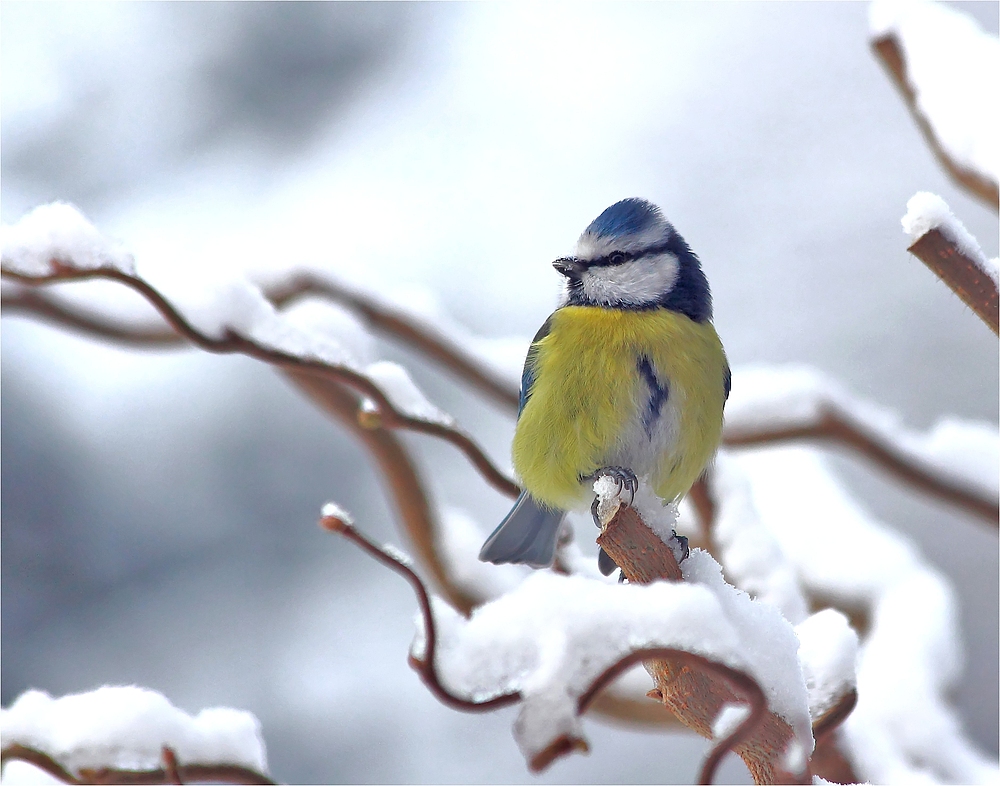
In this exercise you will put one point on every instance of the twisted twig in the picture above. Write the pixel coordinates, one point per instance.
(232, 342)
(890, 54)
(741, 683)
(172, 772)
(832, 425)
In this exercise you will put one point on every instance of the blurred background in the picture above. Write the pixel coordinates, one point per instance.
(159, 508)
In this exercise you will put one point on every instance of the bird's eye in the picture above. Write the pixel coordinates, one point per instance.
(616, 258)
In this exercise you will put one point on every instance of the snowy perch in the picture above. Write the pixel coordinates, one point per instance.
(956, 460)
(55, 243)
(941, 241)
(948, 70)
(125, 729)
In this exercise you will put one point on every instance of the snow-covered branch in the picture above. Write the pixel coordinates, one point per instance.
(119, 734)
(956, 461)
(554, 643)
(941, 241)
(55, 243)
(946, 68)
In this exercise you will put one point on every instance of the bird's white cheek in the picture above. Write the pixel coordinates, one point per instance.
(638, 282)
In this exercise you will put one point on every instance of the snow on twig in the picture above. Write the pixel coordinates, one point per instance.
(555, 641)
(120, 731)
(904, 727)
(948, 70)
(956, 460)
(235, 317)
(941, 241)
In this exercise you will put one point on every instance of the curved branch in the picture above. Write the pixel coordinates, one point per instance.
(61, 312)
(232, 342)
(199, 773)
(833, 425)
(397, 468)
(742, 684)
(962, 275)
(830, 720)
(891, 55)
(426, 666)
(37, 758)
(739, 681)
(402, 326)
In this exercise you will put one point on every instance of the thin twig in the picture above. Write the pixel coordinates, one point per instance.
(890, 54)
(200, 773)
(232, 342)
(744, 685)
(37, 758)
(832, 426)
(400, 325)
(397, 469)
(830, 720)
(426, 666)
(170, 766)
(836, 426)
(965, 278)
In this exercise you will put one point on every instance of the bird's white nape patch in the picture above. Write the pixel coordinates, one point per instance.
(638, 282)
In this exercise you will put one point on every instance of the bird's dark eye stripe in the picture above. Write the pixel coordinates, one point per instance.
(621, 257)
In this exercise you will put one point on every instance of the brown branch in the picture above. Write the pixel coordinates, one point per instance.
(965, 278)
(838, 427)
(200, 773)
(740, 682)
(397, 468)
(402, 326)
(232, 342)
(37, 758)
(426, 667)
(694, 695)
(828, 760)
(832, 426)
(742, 685)
(890, 54)
(171, 775)
(60, 312)
(830, 720)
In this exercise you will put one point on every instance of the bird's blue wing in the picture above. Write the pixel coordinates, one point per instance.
(727, 381)
(528, 374)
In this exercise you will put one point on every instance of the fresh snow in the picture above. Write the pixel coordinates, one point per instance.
(828, 650)
(784, 397)
(217, 307)
(126, 727)
(552, 635)
(904, 728)
(953, 67)
(926, 211)
(334, 511)
(58, 232)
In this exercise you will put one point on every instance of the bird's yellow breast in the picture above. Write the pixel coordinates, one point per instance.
(588, 392)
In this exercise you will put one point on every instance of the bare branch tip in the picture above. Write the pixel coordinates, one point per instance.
(559, 747)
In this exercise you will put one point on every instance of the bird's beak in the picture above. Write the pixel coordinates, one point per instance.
(568, 266)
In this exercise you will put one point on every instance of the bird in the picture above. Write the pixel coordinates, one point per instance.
(627, 377)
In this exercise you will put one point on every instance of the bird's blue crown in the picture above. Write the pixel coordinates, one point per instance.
(631, 216)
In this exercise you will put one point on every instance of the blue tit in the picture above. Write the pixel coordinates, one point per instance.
(627, 374)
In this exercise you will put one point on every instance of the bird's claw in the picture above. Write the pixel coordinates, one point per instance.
(623, 477)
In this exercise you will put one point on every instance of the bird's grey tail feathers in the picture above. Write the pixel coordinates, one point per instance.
(527, 535)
